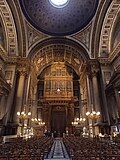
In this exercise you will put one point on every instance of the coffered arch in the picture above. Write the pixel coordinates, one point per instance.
(10, 29)
(19, 21)
(97, 25)
(107, 29)
(58, 50)
(115, 38)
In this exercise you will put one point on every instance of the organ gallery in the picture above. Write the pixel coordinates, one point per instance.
(59, 68)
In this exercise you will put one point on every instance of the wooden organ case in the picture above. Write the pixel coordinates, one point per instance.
(58, 101)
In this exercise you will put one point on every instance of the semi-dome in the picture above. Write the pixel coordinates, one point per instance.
(59, 17)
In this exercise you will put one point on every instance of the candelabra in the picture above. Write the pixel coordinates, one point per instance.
(79, 124)
(78, 121)
(38, 122)
(23, 116)
(74, 123)
(93, 116)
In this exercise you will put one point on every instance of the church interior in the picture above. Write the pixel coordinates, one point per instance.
(60, 79)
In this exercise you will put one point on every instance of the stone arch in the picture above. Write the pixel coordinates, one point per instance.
(115, 35)
(107, 29)
(20, 26)
(58, 50)
(2, 34)
(10, 29)
(97, 24)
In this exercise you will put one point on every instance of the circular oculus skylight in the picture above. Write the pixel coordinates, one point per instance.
(59, 3)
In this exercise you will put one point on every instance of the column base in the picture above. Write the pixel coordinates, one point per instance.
(11, 129)
(101, 127)
(2, 130)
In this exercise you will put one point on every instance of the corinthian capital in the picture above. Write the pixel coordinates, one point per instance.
(22, 72)
(93, 67)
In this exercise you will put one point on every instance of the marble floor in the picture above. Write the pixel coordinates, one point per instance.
(58, 151)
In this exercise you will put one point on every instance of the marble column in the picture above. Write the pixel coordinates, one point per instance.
(96, 93)
(117, 97)
(2, 106)
(49, 117)
(114, 108)
(26, 89)
(19, 98)
(105, 112)
(10, 101)
(90, 93)
(66, 109)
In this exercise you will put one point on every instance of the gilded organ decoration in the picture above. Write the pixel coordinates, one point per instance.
(58, 82)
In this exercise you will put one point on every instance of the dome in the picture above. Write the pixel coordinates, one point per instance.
(59, 17)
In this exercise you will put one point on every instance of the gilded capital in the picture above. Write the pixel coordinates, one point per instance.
(23, 72)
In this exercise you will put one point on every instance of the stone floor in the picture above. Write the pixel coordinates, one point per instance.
(58, 151)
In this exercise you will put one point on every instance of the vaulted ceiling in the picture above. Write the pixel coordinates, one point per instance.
(66, 20)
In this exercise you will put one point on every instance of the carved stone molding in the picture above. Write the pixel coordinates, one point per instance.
(104, 61)
(115, 53)
(11, 60)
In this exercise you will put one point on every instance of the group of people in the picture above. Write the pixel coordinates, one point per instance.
(54, 134)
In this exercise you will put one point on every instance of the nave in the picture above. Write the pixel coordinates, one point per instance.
(66, 148)
(58, 151)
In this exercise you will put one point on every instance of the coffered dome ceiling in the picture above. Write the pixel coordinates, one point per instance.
(59, 19)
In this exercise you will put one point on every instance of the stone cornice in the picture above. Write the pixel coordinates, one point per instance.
(18, 61)
(104, 61)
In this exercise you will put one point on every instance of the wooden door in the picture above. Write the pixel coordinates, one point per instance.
(58, 123)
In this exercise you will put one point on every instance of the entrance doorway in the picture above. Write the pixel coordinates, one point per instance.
(58, 123)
